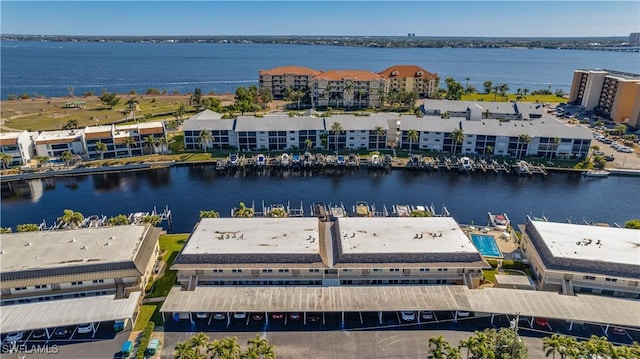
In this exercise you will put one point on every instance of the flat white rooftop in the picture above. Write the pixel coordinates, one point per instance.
(403, 235)
(66, 248)
(594, 243)
(254, 236)
(67, 312)
(59, 135)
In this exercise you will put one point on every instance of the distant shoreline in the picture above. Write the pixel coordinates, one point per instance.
(354, 41)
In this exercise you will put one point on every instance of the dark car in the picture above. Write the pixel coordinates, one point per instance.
(257, 316)
(314, 318)
(277, 316)
(609, 158)
(39, 334)
(294, 317)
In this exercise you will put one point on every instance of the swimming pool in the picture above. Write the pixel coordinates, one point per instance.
(486, 245)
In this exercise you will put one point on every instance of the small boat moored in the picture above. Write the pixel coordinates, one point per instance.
(500, 221)
(599, 173)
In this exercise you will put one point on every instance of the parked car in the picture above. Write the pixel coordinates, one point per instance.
(201, 315)
(462, 313)
(39, 334)
(426, 315)
(618, 331)
(408, 316)
(313, 318)
(13, 337)
(277, 316)
(294, 317)
(61, 332)
(239, 315)
(85, 328)
(257, 316)
(219, 316)
(609, 158)
(543, 322)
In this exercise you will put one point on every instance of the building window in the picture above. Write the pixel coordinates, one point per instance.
(95, 281)
(611, 279)
(236, 270)
(283, 270)
(347, 270)
(43, 286)
(76, 283)
(394, 270)
(589, 277)
(424, 269)
(443, 269)
(21, 288)
(267, 270)
(314, 270)
(377, 270)
(217, 271)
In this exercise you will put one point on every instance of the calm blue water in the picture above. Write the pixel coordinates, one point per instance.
(188, 190)
(486, 245)
(49, 68)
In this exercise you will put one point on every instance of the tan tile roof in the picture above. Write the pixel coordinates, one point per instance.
(97, 135)
(406, 71)
(357, 75)
(295, 70)
(8, 141)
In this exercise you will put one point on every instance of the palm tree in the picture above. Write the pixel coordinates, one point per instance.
(150, 142)
(489, 149)
(551, 345)
(469, 343)
(41, 160)
(495, 89)
(260, 348)
(348, 88)
(225, 348)
(132, 102)
(360, 92)
(308, 143)
(6, 160)
(199, 341)
(129, 142)
(380, 132)
(71, 218)
(467, 85)
(204, 137)
(620, 129)
(437, 347)
(445, 115)
(151, 219)
(182, 109)
(594, 149)
(555, 141)
(458, 136)
(209, 214)
(412, 136)
(503, 91)
(524, 139)
(163, 143)
(183, 351)
(243, 211)
(101, 147)
(66, 156)
(524, 93)
(337, 129)
(327, 93)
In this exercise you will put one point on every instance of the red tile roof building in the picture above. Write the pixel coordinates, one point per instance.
(409, 78)
(347, 89)
(279, 79)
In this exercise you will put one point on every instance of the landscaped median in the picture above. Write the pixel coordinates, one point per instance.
(170, 246)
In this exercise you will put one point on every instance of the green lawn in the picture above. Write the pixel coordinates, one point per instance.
(147, 311)
(529, 98)
(170, 244)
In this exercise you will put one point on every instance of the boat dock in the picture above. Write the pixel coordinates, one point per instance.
(96, 221)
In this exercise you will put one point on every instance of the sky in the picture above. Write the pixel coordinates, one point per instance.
(345, 18)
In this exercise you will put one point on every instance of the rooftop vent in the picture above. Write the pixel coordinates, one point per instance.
(2, 251)
(27, 244)
(112, 237)
(72, 240)
(84, 247)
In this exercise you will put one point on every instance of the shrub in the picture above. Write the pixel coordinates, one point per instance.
(493, 263)
(146, 336)
(511, 264)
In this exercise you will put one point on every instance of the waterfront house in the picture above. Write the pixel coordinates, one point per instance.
(18, 145)
(612, 93)
(53, 143)
(124, 140)
(65, 277)
(358, 132)
(220, 130)
(577, 258)
(410, 78)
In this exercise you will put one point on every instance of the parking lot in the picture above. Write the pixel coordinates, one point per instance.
(361, 331)
(68, 342)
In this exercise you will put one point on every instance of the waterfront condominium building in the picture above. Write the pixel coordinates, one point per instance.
(410, 78)
(279, 79)
(207, 129)
(54, 143)
(580, 258)
(65, 277)
(612, 93)
(18, 145)
(125, 140)
(350, 89)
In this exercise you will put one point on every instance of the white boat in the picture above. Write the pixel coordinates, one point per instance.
(284, 160)
(361, 209)
(261, 160)
(465, 164)
(375, 160)
(600, 173)
(341, 160)
(233, 160)
(500, 221)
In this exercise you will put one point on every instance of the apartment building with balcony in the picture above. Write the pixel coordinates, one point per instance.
(124, 140)
(54, 143)
(478, 110)
(221, 131)
(575, 258)
(612, 93)
(350, 89)
(278, 80)
(410, 78)
(496, 137)
(278, 132)
(359, 132)
(87, 270)
(18, 145)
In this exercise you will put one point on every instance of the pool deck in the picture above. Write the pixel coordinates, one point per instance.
(506, 245)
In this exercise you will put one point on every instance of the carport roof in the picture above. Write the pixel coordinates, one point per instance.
(584, 308)
(67, 312)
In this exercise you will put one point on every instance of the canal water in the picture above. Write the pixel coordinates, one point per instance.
(187, 190)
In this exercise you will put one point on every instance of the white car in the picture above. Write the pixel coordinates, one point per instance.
(408, 316)
(85, 328)
(201, 315)
(462, 314)
(239, 315)
(426, 314)
(13, 337)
